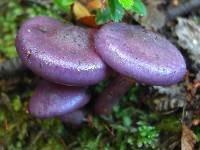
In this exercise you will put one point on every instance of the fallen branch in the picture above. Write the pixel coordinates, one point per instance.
(183, 9)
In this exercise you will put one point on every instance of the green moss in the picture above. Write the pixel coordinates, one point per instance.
(11, 16)
(170, 124)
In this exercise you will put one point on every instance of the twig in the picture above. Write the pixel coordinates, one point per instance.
(37, 137)
(11, 67)
(183, 9)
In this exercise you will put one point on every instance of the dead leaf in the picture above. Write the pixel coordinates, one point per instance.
(155, 18)
(83, 15)
(90, 21)
(188, 33)
(80, 10)
(95, 4)
(172, 90)
(196, 122)
(188, 138)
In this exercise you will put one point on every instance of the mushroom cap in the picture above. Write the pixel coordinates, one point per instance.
(140, 54)
(51, 100)
(61, 53)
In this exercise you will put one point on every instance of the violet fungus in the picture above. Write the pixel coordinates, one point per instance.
(139, 54)
(61, 53)
(142, 55)
(74, 118)
(51, 100)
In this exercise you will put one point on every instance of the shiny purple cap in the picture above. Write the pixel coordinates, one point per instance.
(61, 53)
(140, 54)
(51, 100)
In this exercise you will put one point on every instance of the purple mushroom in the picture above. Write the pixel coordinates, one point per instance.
(65, 54)
(74, 118)
(61, 53)
(111, 95)
(51, 100)
(142, 55)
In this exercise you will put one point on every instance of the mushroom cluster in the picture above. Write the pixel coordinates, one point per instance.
(71, 58)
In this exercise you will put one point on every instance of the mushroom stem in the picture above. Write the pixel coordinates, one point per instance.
(76, 118)
(112, 94)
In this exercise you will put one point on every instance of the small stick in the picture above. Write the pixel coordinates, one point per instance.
(183, 9)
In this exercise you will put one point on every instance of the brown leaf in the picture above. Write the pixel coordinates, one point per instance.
(89, 21)
(83, 15)
(196, 122)
(80, 10)
(95, 4)
(188, 138)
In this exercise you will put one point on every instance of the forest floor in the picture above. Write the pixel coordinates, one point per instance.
(148, 117)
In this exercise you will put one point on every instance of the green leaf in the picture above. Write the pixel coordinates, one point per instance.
(127, 121)
(116, 10)
(64, 4)
(139, 8)
(126, 4)
(103, 16)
